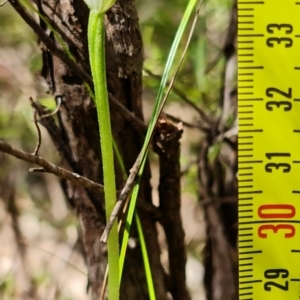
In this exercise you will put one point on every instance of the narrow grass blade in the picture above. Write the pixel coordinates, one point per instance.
(148, 272)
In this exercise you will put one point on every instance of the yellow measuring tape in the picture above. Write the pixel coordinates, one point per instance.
(269, 149)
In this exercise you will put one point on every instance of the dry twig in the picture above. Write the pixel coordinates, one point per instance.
(51, 168)
(167, 146)
(35, 120)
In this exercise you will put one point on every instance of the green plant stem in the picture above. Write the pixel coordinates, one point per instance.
(96, 40)
(147, 266)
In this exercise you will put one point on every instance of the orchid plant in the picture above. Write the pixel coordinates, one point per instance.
(96, 44)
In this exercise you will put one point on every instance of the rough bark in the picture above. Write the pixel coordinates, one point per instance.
(168, 148)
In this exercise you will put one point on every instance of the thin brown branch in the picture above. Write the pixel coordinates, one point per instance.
(51, 168)
(60, 28)
(49, 43)
(35, 119)
(39, 142)
(56, 135)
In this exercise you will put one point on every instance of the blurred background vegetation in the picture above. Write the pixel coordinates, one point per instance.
(39, 247)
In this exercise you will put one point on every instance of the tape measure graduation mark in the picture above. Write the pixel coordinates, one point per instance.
(269, 149)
